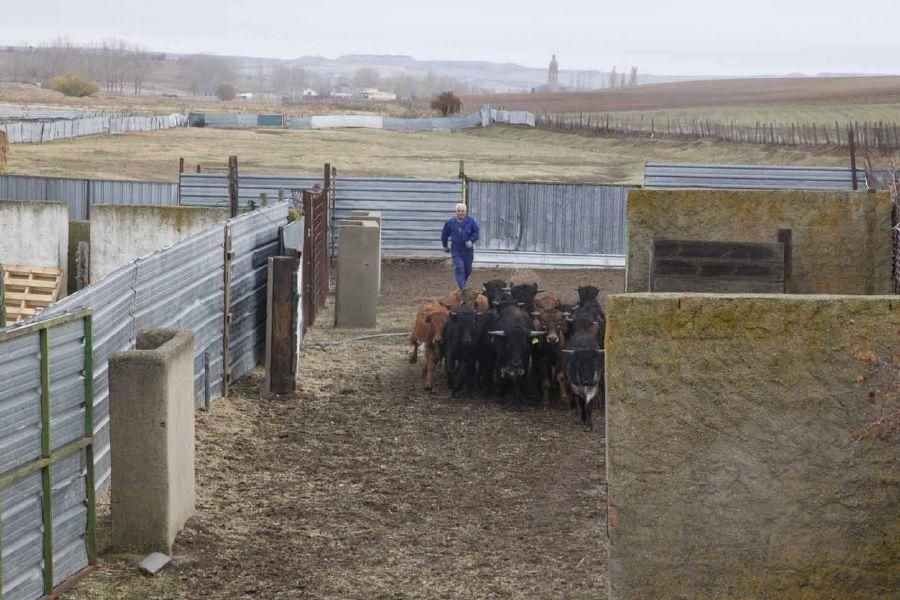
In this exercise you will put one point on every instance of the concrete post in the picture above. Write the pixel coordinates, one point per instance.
(375, 216)
(356, 297)
(151, 408)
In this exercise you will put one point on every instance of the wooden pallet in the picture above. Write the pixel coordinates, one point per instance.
(28, 290)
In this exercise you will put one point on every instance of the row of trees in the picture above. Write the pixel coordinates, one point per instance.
(117, 64)
(617, 80)
(122, 68)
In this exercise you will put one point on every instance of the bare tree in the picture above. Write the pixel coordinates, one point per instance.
(633, 77)
(203, 73)
(613, 78)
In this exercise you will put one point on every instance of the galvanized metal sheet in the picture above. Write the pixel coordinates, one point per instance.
(749, 177)
(68, 483)
(183, 286)
(20, 401)
(413, 211)
(551, 218)
(254, 238)
(35, 132)
(66, 345)
(21, 520)
(205, 189)
(78, 192)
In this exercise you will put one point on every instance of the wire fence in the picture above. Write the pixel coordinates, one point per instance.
(880, 136)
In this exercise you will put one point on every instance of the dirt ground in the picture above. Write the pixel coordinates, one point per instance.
(362, 485)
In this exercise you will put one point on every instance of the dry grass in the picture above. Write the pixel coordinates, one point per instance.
(365, 486)
(496, 153)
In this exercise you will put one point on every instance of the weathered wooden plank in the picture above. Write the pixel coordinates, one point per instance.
(718, 266)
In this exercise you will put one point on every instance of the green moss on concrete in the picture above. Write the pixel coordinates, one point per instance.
(735, 460)
(841, 240)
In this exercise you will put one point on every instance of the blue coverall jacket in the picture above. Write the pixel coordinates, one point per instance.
(458, 233)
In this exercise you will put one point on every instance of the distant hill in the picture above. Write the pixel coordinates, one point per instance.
(499, 77)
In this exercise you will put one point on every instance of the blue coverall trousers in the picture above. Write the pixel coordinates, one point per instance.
(462, 262)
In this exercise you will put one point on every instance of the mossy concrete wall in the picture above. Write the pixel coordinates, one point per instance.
(841, 240)
(745, 456)
(120, 234)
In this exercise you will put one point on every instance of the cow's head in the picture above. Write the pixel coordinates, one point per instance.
(553, 322)
(465, 326)
(587, 294)
(437, 321)
(523, 294)
(493, 290)
(514, 349)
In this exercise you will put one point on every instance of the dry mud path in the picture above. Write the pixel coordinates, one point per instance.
(363, 485)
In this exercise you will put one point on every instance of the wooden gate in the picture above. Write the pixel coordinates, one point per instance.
(315, 255)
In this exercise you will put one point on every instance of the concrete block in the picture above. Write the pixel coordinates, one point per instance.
(374, 216)
(356, 297)
(153, 563)
(151, 408)
(747, 454)
(36, 234)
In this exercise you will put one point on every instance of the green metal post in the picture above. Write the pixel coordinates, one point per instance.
(89, 433)
(46, 488)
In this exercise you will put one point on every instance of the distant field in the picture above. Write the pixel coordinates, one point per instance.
(761, 92)
(819, 114)
(496, 152)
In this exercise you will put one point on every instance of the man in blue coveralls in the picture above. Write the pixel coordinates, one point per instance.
(462, 232)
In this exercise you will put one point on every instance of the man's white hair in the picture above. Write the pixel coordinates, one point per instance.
(460, 205)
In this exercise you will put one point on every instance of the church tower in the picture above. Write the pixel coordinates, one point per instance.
(553, 75)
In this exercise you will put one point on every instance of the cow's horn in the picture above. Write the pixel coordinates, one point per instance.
(535, 313)
(538, 333)
(540, 291)
(499, 332)
(601, 351)
(567, 314)
(568, 351)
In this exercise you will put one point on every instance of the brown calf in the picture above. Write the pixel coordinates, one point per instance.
(547, 355)
(428, 330)
(477, 302)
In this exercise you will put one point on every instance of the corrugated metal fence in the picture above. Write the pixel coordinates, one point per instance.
(35, 132)
(184, 286)
(550, 218)
(413, 210)
(46, 474)
(750, 177)
(81, 194)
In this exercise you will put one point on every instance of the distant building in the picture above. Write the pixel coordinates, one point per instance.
(342, 95)
(310, 93)
(244, 96)
(553, 76)
(373, 94)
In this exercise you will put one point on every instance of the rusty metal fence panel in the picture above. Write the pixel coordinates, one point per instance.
(549, 218)
(315, 261)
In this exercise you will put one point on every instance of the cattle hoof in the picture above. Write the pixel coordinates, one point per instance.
(427, 388)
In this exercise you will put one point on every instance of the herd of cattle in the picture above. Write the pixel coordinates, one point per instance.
(497, 338)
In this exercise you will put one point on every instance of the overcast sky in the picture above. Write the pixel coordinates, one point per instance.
(674, 37)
